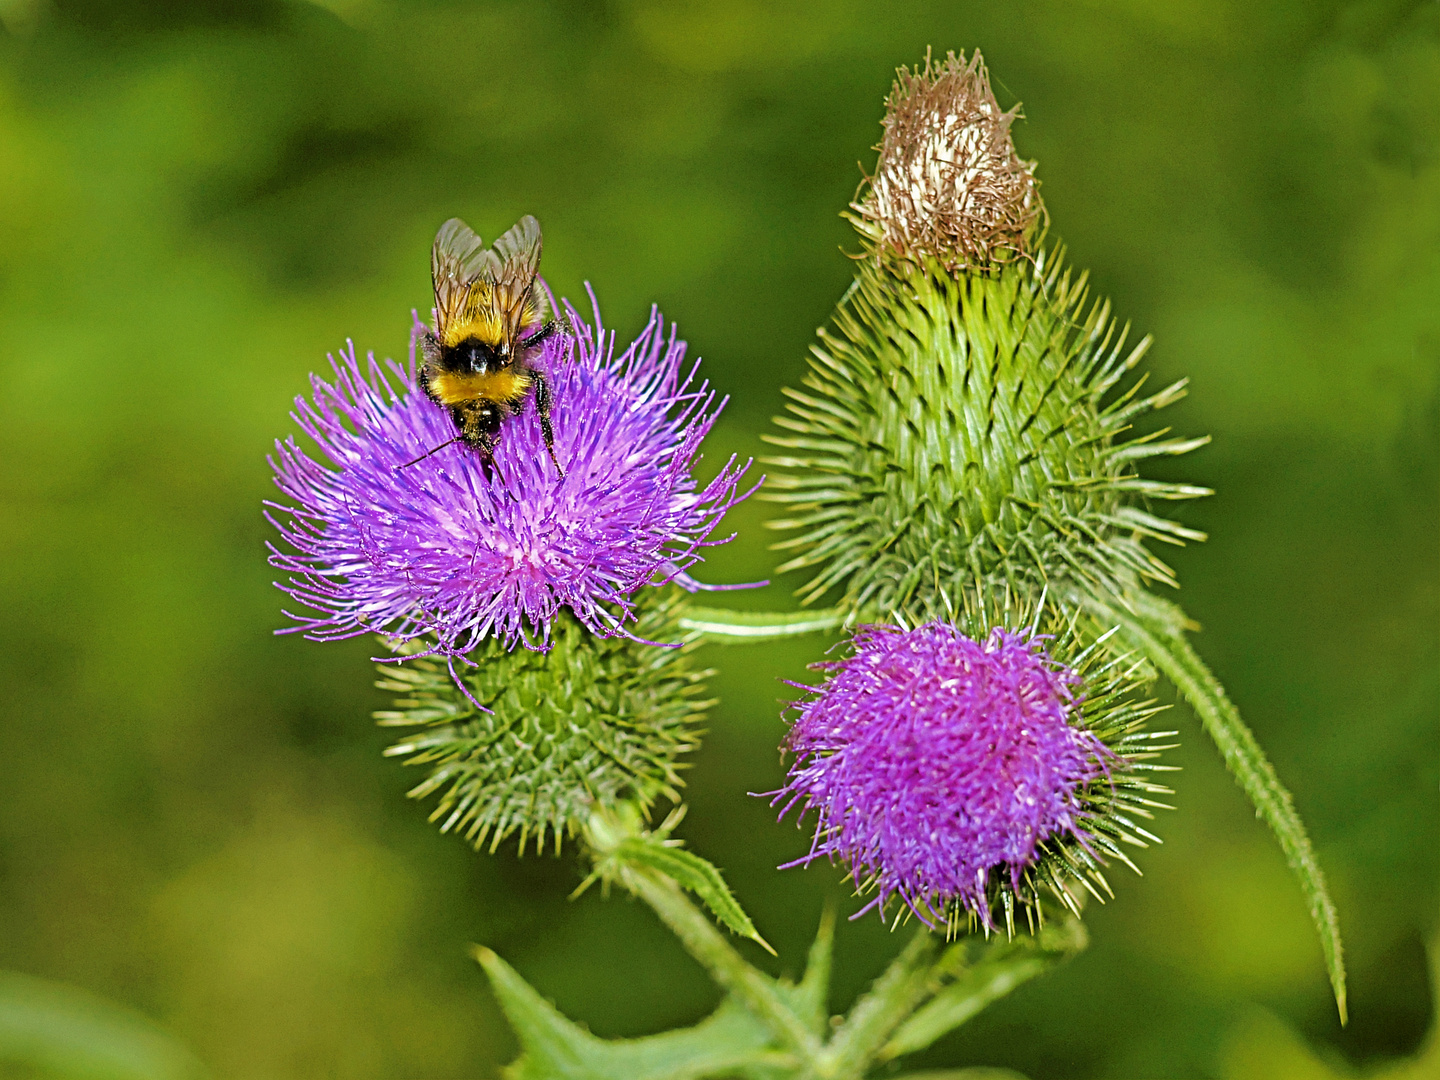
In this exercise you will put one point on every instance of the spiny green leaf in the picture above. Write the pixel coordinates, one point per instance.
(692, 872)
(729, 1043)
(1150, 628)
(552, 1045)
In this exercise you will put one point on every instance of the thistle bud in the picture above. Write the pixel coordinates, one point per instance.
(949, 184)
(963, 421)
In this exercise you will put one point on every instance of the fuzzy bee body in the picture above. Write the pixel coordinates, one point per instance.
(490, 321)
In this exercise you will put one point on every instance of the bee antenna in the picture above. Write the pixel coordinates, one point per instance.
(422, 457)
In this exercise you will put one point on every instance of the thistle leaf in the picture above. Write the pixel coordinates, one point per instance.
(1150, 627)
(691, 872)
(728, 1043)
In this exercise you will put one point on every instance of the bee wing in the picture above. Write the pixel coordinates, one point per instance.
(516, 300)
(457, 261)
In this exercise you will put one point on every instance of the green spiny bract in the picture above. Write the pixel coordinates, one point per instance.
(593, 722)
(1114, 705)
(956, 430)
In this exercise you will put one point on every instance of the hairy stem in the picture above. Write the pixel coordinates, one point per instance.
(908, 981)
(737, 627)
(995, 973)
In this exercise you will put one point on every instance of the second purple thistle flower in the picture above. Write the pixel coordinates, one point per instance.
(940, 765)
(445, 550)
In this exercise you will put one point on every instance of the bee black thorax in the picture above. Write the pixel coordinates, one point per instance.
(475, 357)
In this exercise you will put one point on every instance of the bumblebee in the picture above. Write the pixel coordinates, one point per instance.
(489, 323)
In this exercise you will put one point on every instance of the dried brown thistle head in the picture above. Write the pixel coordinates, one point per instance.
(949, 183)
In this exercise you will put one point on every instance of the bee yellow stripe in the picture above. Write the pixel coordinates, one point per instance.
(452, 388)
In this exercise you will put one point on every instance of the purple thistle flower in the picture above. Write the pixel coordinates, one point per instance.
(935, 761)
(442, 549)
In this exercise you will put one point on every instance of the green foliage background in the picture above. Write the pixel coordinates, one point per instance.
(198, 201)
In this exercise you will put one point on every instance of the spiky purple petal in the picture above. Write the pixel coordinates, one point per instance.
(442, 549)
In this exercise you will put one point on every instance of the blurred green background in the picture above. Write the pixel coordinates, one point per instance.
(199, 200)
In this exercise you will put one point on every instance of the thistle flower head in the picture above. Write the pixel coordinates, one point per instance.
(531, 743)
(963, 773)
(949, 184)
(450, 549)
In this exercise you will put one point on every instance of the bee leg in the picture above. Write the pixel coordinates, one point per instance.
(539, 335)
(484, 443)
(486, 437)
(487, 462)
(542, 409)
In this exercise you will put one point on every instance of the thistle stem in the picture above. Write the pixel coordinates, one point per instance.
(1003, 968)
(908, 981)
(729, 969)
(734, 627)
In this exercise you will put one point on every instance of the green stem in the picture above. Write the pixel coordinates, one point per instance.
(1149, 631)
(734, 627)
(813, 993)
(707, 945)
(1005, 966)
(910, 978)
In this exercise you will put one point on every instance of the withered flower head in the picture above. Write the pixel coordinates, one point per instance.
(949, 183)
